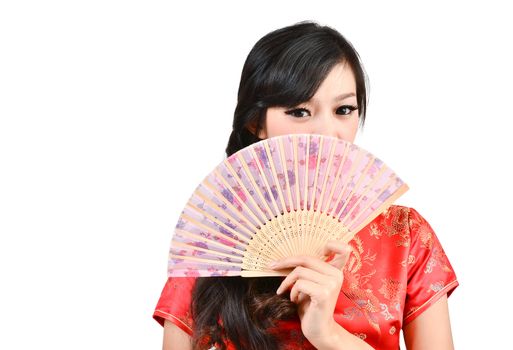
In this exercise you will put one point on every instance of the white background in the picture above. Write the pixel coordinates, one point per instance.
(113, 111)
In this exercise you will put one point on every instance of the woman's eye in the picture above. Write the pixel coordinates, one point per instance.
(298, 112)
(346, 110)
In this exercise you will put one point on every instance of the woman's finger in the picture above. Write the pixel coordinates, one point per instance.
(337, 253)
(306, 287)
(307, 261)
(317, 293)
(336, 247)
(301, 272)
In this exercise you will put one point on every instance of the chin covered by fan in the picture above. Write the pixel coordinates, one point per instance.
(283, 196)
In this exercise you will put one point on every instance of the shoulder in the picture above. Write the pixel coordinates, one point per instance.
(398, 226)
(394, 215)
(398, 214)
(420, 231)
(392, 227)
(410, 215)
(406, 224)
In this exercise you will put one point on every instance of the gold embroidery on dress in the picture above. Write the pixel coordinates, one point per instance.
(441, 259)
(425, 236)
(391, 289)
(354, 262)
(354, 283)
(411, 260)
(374, 231)
(437, 258)
(429, 266)
(399, 225)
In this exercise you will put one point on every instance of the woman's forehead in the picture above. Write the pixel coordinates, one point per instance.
(339, 84)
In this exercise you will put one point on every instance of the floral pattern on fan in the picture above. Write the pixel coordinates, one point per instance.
(282, 196)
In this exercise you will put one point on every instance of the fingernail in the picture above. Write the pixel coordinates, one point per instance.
(273, 264)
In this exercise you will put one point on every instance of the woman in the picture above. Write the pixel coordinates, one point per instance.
(393, 275)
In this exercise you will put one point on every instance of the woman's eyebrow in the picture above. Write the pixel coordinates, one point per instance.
(336, 98)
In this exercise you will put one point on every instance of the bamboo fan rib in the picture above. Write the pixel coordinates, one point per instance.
(279, 197)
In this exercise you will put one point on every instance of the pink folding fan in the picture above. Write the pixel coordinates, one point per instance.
(282, 196)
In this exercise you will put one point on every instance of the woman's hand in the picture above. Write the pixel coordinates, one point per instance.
(315, 287)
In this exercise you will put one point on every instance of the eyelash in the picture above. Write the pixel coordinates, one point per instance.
(292, 111)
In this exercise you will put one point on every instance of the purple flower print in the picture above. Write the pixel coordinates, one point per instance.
(292, 177)
(230, 224)
(181, 223)
(228, 195)
(225, 232)
(252, 164)
(181, 252)
(274, 192)
(383, 196)
(200, 245)
(262, 156)
(314, 148)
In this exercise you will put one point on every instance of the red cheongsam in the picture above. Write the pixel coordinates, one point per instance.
(396, 271)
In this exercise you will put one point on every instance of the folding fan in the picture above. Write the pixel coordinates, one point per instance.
(282, 196)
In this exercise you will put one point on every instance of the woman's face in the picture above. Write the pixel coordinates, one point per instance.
(332, 111)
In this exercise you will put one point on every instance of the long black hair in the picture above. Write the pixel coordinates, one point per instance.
(284, 68)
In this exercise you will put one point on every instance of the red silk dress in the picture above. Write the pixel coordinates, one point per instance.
(396, 271)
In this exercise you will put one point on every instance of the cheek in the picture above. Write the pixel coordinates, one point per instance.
(348, 129)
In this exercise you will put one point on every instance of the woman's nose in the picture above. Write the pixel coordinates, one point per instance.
(327, 126)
